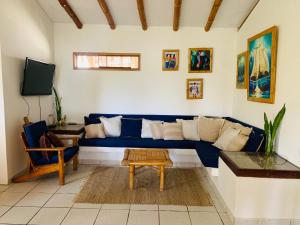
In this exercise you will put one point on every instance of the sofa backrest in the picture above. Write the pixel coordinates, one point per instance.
(165, 118)
(256, 140)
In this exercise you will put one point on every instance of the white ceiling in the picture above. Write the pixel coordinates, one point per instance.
(158, 12)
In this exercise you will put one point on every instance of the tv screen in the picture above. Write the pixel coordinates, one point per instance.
(38, 78)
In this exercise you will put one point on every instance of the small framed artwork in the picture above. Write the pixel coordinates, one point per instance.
(200, 60)
(170, 59)
(194, 88)
(241, 70)
(261, 66)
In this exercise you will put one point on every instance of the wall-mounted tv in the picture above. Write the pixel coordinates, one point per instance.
(38, 78)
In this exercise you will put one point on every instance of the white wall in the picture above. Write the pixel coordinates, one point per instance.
(284, 14)
(3, 162)
(25, 30)
(150, 90)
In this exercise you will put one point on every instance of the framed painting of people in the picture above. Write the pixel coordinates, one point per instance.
(194, 88)
(200, 60)
(170, 59)
(261, 66)
(241, 70)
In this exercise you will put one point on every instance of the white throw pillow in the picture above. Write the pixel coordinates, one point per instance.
(146, 129)
(190, 129)
(94, 131)
(112, 126)
(209, 128)
(225, 141)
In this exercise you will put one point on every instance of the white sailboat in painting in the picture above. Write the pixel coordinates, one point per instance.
(260, 74)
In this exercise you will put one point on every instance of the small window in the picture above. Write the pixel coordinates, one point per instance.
(106, 61)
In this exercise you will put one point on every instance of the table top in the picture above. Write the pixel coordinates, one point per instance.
(255, 164)
(68, 129)
(147, 157)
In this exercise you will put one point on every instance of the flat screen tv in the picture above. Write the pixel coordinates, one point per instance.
(38, 78)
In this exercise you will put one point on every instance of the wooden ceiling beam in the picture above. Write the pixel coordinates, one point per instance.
(251, 10)
(106, 11)
(141, 9)
(212, 14)
(70, 11)
(176, 16)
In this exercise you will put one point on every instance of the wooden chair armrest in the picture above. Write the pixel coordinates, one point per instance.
(57, 149)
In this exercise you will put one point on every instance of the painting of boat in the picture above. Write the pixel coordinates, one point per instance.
(261, 66)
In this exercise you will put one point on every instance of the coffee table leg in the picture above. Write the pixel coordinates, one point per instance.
(162, 178)
(131, 177)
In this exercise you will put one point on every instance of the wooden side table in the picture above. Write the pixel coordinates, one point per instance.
(146, 157)
(72, 131)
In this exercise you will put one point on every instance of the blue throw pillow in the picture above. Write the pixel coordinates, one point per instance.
(91, 120)
(131, 127)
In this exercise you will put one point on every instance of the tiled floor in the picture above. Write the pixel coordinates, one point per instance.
(44, 202)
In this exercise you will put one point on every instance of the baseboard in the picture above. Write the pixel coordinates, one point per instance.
(114, 156)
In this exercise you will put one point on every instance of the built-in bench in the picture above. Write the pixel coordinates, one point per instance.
(207, 153)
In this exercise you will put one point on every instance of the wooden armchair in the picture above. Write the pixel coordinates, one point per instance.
(38, 165)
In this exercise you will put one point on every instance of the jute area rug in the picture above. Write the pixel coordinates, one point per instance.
(110, 185)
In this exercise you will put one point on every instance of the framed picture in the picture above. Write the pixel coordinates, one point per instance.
(261, 66)
(200, 60)
(170, 59)
(194, 88)
(241, 70)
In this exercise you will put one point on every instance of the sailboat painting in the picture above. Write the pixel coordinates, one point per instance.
(261, 66)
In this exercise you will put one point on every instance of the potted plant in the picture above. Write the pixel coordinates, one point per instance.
(58, 109)
(270, 129)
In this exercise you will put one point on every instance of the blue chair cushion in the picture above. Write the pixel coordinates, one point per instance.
(131, 127)
(33, 132)
(68, 154)
(136, 143)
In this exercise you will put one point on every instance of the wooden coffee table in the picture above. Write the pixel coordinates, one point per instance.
(146, 157)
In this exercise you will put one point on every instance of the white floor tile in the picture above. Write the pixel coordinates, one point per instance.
(3, 209)
(174, 218)
(181, 208)
(202, 209)
(115, 206)
(143, 207)
(112, 217)
(81, 216)
(19, 215)
(50, 216)
(34, 199)
(22, 187)
(3, 187)
(9, 199)
(61, 200)
(143, 218)
(46, 187)
(72, 187)
(205, 218)
(86, 206)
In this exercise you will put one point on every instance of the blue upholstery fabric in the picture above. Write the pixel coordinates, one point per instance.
(68, 154)
(33, 132)
(166, 118)
(91, 120)
(136, 143)
(131, 127)
(208, 154)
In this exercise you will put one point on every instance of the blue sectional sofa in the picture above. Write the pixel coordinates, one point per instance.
(208, 154)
